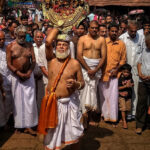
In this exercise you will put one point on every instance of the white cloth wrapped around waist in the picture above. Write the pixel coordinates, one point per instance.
(69, 128)
(25, 107)
(88, 95)
(92, 63)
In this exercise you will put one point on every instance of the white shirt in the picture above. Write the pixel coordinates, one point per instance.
(145, 62)
(37, 70)
(36, 52)
(134, 49)
(3, 62)
(4, 69)
(39, 14)
(141, 31)
(43, 61)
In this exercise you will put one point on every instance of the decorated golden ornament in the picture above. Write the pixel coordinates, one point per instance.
(63, 37)
(65, 16)
(60, 22)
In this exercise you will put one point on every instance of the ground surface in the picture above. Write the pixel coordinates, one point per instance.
(104, 137)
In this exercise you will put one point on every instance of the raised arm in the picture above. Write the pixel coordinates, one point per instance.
(48, 44)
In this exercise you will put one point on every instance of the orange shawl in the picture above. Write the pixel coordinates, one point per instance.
(48, 114)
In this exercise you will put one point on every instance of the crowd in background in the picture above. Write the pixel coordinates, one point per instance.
(133, 31)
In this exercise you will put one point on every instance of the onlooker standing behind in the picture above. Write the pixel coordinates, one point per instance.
(43, 64)
(10, 35)
(38, 39)
(80, 31)
(134, 45)
(109, 20)
(144, 87)
(103, 30)
(116, 57)
(24, 20)
(125, 92)
(123, 27)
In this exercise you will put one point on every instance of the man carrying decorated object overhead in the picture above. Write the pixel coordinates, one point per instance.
(59, 116)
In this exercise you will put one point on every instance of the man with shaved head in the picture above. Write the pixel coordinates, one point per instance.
(91, 54)
(21, 62)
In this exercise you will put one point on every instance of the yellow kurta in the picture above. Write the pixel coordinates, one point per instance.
(116, 55)
(108, 87)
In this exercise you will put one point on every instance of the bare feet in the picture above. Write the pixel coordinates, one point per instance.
(95, 124)
(85, 120)
(30, 131)
(124, 125)
(41, 137)
(102, 119)
(17, 131)
(120, 121)
(138, 131)
(114, 125)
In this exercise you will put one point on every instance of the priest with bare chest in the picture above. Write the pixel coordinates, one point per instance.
(21, 62)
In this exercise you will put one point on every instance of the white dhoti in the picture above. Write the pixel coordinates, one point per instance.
(88, 96)
(69, 128)
(109, 99)
(135, 94)
(25, 107)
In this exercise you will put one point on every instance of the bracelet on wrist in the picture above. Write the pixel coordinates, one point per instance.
(80, 85)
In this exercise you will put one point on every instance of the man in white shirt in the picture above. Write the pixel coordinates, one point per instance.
(38, 39)
(43, 64)
(144, 87)
(134, 45)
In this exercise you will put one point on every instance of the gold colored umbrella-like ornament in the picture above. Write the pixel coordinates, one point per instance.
(66, 16)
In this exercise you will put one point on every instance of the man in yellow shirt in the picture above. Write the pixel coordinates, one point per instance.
(108, 87)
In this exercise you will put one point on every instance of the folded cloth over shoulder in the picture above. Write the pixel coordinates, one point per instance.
(48, 114)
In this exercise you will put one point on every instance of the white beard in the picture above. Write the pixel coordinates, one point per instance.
(62, 55)
(20, 41)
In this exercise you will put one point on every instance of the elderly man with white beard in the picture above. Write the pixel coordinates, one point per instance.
(60, 117)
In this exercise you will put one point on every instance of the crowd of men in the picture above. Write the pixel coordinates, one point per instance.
(99, 71)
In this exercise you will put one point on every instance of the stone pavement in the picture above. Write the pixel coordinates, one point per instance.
(104, 137)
